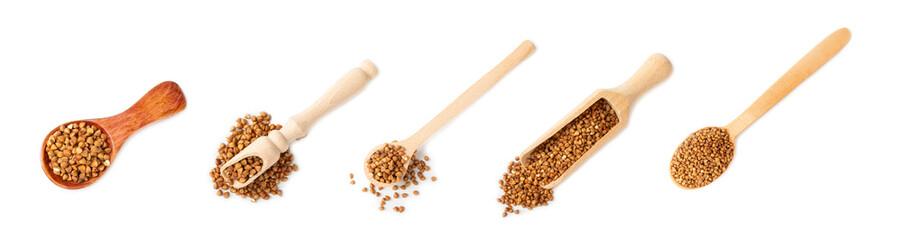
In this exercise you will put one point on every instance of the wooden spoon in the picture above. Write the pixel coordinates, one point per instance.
(164, 100)
(458, 105)
(655, 70)
(817, 57)
(269, 147)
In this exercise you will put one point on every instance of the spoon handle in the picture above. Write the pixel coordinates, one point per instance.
(160, 102)
(474, 92)
(655, 70)
(349, 85)
(815, 58)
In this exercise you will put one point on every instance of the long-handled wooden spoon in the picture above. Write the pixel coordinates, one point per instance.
(655, 70)
(269, 147)
(462, 102)
(162, 101)
(706, 153)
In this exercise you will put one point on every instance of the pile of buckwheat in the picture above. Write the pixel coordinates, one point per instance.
(386, 165)
(702, 157)
(78, 152)
(522, 184)
(244, 169)
(246, 131)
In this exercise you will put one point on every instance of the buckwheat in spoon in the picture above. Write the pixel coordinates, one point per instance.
(388, 163)
(707, 153)
(77, 153)
(655, 70)
(582, 132)
(263, 152)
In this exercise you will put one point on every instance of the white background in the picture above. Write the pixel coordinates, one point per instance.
(823, 163)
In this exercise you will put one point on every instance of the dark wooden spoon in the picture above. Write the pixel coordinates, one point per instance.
(164, 100)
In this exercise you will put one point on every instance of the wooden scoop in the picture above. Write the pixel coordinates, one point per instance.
(655, 70)
(269, 147)
(164, 100)
(467, 98)
(817, 57)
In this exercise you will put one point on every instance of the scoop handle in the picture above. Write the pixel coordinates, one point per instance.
(349, 85)
(655, 70)
(160, 102)
(471, 94)
(817, 57)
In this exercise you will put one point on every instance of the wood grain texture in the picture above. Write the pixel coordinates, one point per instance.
(343, 90)
(162, 101)
(813, 60)
(469, 96)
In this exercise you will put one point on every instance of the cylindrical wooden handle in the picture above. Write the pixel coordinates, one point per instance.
(346, 87)
(474, 92)
(349, 85)
(655, 70)
(817, 57)
(162, 101)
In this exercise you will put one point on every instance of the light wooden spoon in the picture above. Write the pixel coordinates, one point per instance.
(655, 70)
(817, 57)
(467, 98)
(269, 147)
(164, 100)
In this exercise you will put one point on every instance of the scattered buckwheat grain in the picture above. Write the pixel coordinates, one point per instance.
(386, 165)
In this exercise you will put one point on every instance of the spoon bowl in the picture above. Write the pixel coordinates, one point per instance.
(715, 144)
(372, 178)
(57, 179)
(164, 100)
